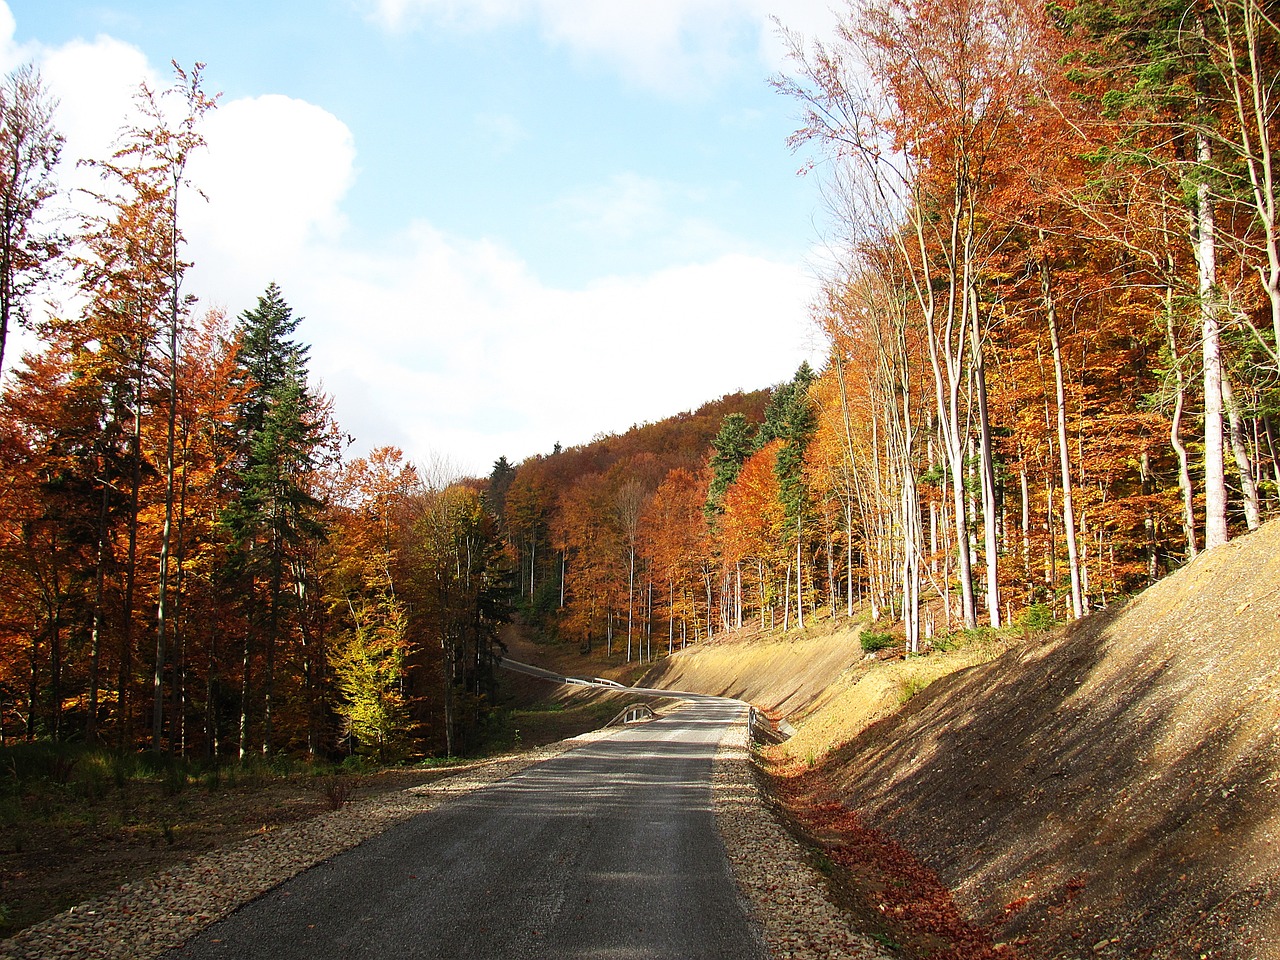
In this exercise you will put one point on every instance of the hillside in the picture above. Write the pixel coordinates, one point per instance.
(1108, 791)
(785, 676)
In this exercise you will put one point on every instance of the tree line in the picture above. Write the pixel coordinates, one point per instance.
(1052, 312)
(1052, 317)
(191, 563)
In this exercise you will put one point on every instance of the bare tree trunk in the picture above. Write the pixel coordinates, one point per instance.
(166, 531)
(1026, 535)
(178, 710)
(95, 641)
(799, 577)
(1251, 80)
(671, 616)
(1272, 453)
(244, 698)
(991, 539)
(1175, 432)
(1064, 456)
(124, 694)
(786, 601)
(1248, 486)
(737, 572)
(1215, 484)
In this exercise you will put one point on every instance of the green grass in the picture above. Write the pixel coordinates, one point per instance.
(873, 641)
(67, 784)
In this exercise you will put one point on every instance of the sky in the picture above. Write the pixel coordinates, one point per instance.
(506, 223)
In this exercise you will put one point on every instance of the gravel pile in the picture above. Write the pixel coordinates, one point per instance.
(146, 917)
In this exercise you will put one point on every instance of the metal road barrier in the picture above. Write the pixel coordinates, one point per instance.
(633, 714)
(763, 730)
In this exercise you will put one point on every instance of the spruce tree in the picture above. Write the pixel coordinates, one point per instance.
(790, 417)
(730, 449)
(500, 481)
(273, 514)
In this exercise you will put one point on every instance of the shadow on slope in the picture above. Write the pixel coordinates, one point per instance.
(1110, 792)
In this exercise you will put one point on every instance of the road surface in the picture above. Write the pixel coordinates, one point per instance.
(607, 851)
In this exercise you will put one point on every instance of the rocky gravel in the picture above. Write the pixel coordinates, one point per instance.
(144, 918)
(783, 890)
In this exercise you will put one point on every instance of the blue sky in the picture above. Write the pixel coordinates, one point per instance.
(507, 222)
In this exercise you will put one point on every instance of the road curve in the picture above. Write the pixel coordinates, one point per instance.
(607, 851)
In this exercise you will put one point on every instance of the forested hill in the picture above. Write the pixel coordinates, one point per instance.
(680, 441)
(595, 503)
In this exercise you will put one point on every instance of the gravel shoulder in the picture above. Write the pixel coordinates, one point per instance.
(784, 892)
(144, 918)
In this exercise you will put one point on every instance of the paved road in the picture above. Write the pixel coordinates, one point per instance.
(607, 851)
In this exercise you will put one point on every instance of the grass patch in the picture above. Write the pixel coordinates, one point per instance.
(873, 641)
(517, 729)
(911, 685)
(73, 786)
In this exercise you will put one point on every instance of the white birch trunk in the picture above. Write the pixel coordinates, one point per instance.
(1215, 483)
(1064, 455)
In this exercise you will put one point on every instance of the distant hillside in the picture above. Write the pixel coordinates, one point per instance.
(1112, 792)
(781, 675)
(681, 440)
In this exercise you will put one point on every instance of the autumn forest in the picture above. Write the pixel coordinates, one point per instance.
(1050, 302)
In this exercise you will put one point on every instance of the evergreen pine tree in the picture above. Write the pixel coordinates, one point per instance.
(790, 417)
(499, 484)
(730, 448)
(273, 513)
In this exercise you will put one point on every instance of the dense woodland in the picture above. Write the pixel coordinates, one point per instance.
(1052, 309)
(190, 562)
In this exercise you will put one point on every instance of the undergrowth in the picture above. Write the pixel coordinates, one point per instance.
(67, 783)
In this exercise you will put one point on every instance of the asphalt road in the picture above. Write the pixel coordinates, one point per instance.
(607, 851)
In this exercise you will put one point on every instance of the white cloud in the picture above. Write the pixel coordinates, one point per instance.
(673, 46)
(275, 171)
(442, 344)
(95, 83)
(396, 15)
(457, 348)
(501, 132)
(627, 206)
(10, 54)
(629, 211)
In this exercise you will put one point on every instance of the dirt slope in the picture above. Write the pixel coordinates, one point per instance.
(1112, 791)
(785, 675)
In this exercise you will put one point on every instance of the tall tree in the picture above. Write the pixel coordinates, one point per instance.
(29, 151)
(164, 149)
(730, 448)
(274, 512)
(790, 419)
(124, 276)
(1157, 59)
